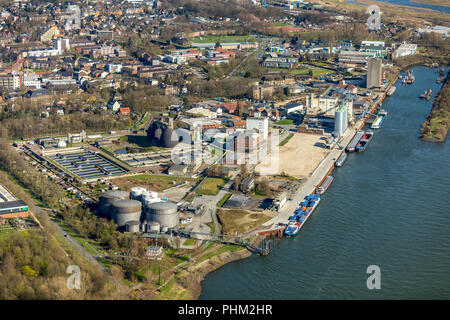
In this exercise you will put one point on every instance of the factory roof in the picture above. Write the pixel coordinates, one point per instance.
(12, 204)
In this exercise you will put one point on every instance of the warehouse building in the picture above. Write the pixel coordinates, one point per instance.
(10, 207)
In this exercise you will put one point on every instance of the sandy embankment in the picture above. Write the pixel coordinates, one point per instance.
(297, 158)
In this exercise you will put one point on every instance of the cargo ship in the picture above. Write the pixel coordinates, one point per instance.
(379, 119)
(302, 214)
(324, 185)
(365, 140)
(293, 228)
(352, 145)
(340, 161)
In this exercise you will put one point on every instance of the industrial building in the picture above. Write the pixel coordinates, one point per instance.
(85, 164)
(374, 73)
(10, 207)
(355, 57)
(405, 49)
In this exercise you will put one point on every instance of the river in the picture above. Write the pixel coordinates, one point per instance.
(388, 206)
(409, 3)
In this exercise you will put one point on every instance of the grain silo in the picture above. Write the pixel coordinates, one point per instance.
(124, 211)
(165, 213)
(109, 197)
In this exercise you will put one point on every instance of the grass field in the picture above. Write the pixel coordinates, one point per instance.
(210, 186)
(285, 122)
(315, 72)
(223, 39)
(223, 200)
(151, 182)
(240, 221)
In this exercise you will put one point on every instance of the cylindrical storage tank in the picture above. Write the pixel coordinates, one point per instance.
(153, 227)
(109, 197)
(124, 211)
(132, 226)
(163, 212)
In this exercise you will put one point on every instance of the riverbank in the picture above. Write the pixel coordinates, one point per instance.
(191, 278)
(437, 125)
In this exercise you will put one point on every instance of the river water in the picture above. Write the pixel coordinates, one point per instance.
(411, 4)
(388, 206)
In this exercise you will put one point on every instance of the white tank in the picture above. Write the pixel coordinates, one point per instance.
(153, 227)
(136, 193)
(148, 200)
(62, 144)
(154, 194)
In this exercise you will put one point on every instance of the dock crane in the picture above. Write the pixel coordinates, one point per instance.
(334, 136)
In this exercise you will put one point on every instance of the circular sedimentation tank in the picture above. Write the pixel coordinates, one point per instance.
(165, 213)
(108, 198)
(124, 211)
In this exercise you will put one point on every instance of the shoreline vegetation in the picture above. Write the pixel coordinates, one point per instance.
(437, 124)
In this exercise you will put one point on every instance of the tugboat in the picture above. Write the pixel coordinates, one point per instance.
(426, 95)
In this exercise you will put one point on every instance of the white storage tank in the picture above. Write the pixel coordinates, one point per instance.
(153, 227)
(165, 213)
(124, 211)
(132, 226)
(136, 192)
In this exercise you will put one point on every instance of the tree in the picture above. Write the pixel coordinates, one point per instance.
(237, 182)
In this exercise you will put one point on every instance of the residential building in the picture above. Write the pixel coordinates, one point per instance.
(11, 81)
(261, 124)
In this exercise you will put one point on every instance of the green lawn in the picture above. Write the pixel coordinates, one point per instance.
(285, 122)
(223, 200)
(189, 242)
(210, 186)
(282, 143)
(223, 39)
(153, 182)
